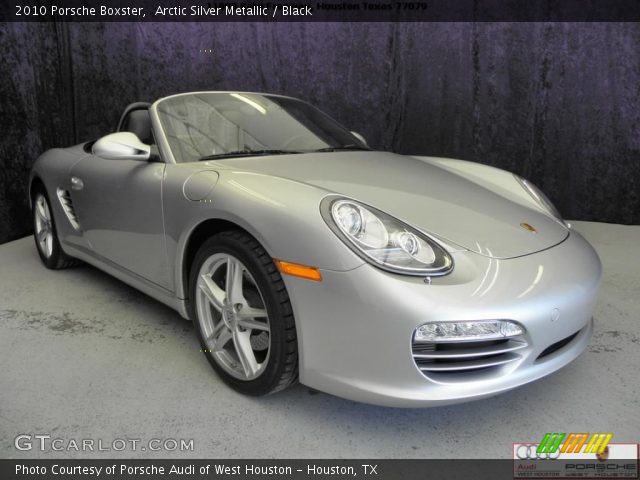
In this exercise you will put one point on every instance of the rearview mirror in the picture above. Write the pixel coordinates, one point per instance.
(359, 137)
(121, 146)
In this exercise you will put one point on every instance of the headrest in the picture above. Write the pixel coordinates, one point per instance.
(139, 122)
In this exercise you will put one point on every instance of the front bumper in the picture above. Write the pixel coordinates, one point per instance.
(355, 328)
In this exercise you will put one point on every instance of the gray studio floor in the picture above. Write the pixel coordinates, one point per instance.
(84, 356)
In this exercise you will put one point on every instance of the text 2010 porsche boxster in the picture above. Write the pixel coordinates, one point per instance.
(299, 252)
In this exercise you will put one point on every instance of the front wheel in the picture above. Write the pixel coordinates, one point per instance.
(46, 235)
(243, 315)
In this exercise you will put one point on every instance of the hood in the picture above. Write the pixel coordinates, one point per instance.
(422, 194)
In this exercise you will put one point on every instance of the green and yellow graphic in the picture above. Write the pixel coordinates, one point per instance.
(574, 442)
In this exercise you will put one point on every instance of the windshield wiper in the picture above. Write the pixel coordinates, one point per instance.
(341, 147)
(246, 153)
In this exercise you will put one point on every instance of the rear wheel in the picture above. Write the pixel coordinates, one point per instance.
(243, 315)
(46, 235)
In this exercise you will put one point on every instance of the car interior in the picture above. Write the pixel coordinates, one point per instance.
(136, 119)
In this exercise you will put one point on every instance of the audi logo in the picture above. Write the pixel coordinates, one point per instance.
(528, 452)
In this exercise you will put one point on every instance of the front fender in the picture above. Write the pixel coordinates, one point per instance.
(283, 215)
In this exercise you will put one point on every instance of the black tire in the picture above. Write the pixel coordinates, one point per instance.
(281, 369)
(57, 259)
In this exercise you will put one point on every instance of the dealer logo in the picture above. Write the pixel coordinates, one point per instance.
(529, 452)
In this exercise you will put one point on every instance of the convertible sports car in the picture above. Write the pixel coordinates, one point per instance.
(299, 252)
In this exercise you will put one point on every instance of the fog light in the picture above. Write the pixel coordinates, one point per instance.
(466, 331)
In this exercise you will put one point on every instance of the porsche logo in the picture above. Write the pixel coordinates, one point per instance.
(529, 228)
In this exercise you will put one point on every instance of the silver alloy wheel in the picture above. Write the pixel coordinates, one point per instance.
(43, 225)
(233, 317)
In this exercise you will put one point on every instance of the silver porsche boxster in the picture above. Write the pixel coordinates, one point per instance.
(301, 253)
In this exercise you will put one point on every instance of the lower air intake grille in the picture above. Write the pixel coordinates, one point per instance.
(447, 360)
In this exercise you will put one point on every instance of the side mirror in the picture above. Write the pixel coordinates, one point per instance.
(121, 146)
(359, 137)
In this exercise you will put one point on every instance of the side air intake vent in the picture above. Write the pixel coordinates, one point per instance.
(67, 206)
(557, 346)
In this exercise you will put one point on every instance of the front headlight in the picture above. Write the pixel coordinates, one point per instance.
(384, 240)
(540, 198)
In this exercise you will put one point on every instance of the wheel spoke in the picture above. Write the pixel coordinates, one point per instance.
(47, 213)
(247, 318)
(221, 335)
(233, 286)
(42, 235)
(250, 312)
(39, 215)
(40, 208)
(213, 292)
(212, 332)
(49, 243)
(252, 324)
(245, 353)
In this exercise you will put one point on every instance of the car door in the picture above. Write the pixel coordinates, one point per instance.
(119, 206)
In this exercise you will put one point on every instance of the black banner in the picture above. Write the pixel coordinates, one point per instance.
(323, 11)
(50, 469)
(241, 469)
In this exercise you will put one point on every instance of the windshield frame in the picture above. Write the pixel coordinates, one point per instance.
(161, 138)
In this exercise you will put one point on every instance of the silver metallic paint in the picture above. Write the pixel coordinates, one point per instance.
(121, 145)
(355, 326)
(358, 325)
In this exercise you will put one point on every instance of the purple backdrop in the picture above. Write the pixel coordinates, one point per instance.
(558, 103)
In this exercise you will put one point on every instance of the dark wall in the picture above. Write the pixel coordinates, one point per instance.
(557, 103)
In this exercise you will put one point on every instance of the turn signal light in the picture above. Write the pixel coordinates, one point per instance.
(298, 270)
(467, 331)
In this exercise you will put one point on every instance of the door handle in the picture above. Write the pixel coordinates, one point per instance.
(76, 183)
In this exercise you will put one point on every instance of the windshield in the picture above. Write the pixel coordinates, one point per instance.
(208, 125)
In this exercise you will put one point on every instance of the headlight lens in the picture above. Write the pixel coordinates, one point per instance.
(540, 198)
(466, 331)
(383, 240)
